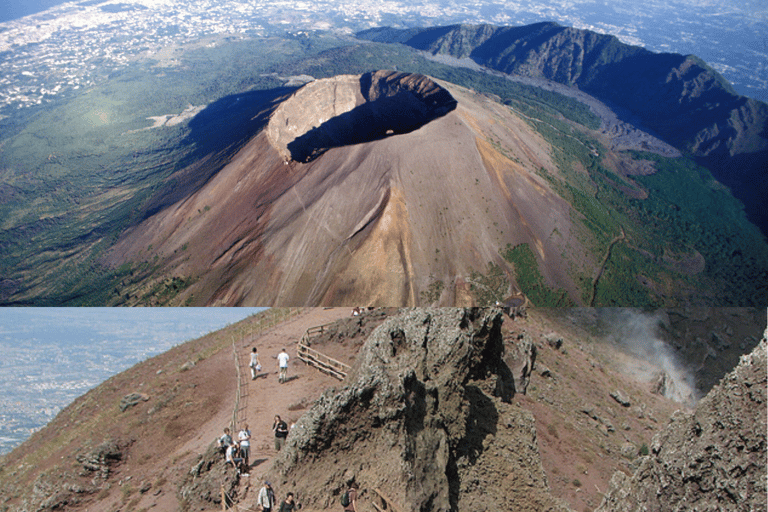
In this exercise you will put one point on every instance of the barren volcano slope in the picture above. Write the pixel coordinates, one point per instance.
(325, 208)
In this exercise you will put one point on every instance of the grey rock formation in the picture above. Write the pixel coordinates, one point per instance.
(521, 359)
(713, 459)
(202, 485)
(425, 420)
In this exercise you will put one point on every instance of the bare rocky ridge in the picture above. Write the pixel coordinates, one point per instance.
(430, 396)
(711, 459)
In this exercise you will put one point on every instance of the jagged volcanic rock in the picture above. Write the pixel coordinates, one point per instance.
(424, 420)
(712, 459)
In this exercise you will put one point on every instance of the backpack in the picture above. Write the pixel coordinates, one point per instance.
(345, 499)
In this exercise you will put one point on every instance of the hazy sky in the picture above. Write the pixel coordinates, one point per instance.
(70, 325)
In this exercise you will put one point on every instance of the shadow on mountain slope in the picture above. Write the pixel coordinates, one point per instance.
(216, 134)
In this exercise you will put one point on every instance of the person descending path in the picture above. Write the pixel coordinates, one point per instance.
(254, 364)
(289, 505)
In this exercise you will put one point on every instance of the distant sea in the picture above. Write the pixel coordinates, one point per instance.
(50, 356)
(14, 9)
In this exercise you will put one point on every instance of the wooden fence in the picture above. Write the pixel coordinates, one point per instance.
(317, 359)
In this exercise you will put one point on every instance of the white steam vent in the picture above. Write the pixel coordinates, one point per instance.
(637, 332)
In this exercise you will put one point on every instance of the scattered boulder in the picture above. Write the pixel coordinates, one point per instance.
(620, 398)
(99, 459)
(132, 399)
(711, 459)
(554, 341)
(429, 395)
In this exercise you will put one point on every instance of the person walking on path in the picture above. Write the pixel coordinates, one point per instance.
(281, 432)
(245, 444)
(349, 499)
(254, 364)
(282, 361)
(266, 499)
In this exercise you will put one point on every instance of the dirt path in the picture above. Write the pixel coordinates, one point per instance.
(267, 397)
(615, 240)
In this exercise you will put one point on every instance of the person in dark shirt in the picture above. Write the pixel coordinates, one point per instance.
(289, 505)
(281, 432)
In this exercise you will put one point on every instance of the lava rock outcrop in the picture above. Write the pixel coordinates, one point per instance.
(425, 421)
(712, 459)
(350, 109)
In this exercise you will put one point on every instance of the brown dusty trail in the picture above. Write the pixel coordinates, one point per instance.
(266, 396)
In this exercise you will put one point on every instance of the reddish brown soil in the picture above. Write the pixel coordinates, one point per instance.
(163, 437)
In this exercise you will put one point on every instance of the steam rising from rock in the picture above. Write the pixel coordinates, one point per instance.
(638, 333)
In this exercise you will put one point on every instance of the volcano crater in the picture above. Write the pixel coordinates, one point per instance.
(353, 109)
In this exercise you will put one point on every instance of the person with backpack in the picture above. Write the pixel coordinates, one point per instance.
(349, 498)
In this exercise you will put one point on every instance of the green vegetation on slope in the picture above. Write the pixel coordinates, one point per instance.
(74, 176)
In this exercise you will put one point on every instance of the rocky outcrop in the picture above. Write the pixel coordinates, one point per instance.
(521, 359)
(430, 396)
(712, 459)
(202, 485)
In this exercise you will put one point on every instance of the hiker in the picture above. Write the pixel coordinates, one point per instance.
(266, 499)
(349, 498)
(281, 432)
(245, 444)
(254, 364)
(234, 458)
(225, 441)
(289, 505)
(282, 360)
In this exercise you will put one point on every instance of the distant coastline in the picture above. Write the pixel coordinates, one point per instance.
(20, 8)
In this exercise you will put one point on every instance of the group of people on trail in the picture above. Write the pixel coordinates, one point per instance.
(282, 364)
(237, 452)
(266, 499)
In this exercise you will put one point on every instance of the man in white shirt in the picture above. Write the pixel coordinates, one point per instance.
(245, 444)
(282, 360)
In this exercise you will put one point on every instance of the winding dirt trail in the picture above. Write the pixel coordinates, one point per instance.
(607, 256)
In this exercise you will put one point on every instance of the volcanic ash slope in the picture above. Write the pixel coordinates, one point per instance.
(366, 190)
